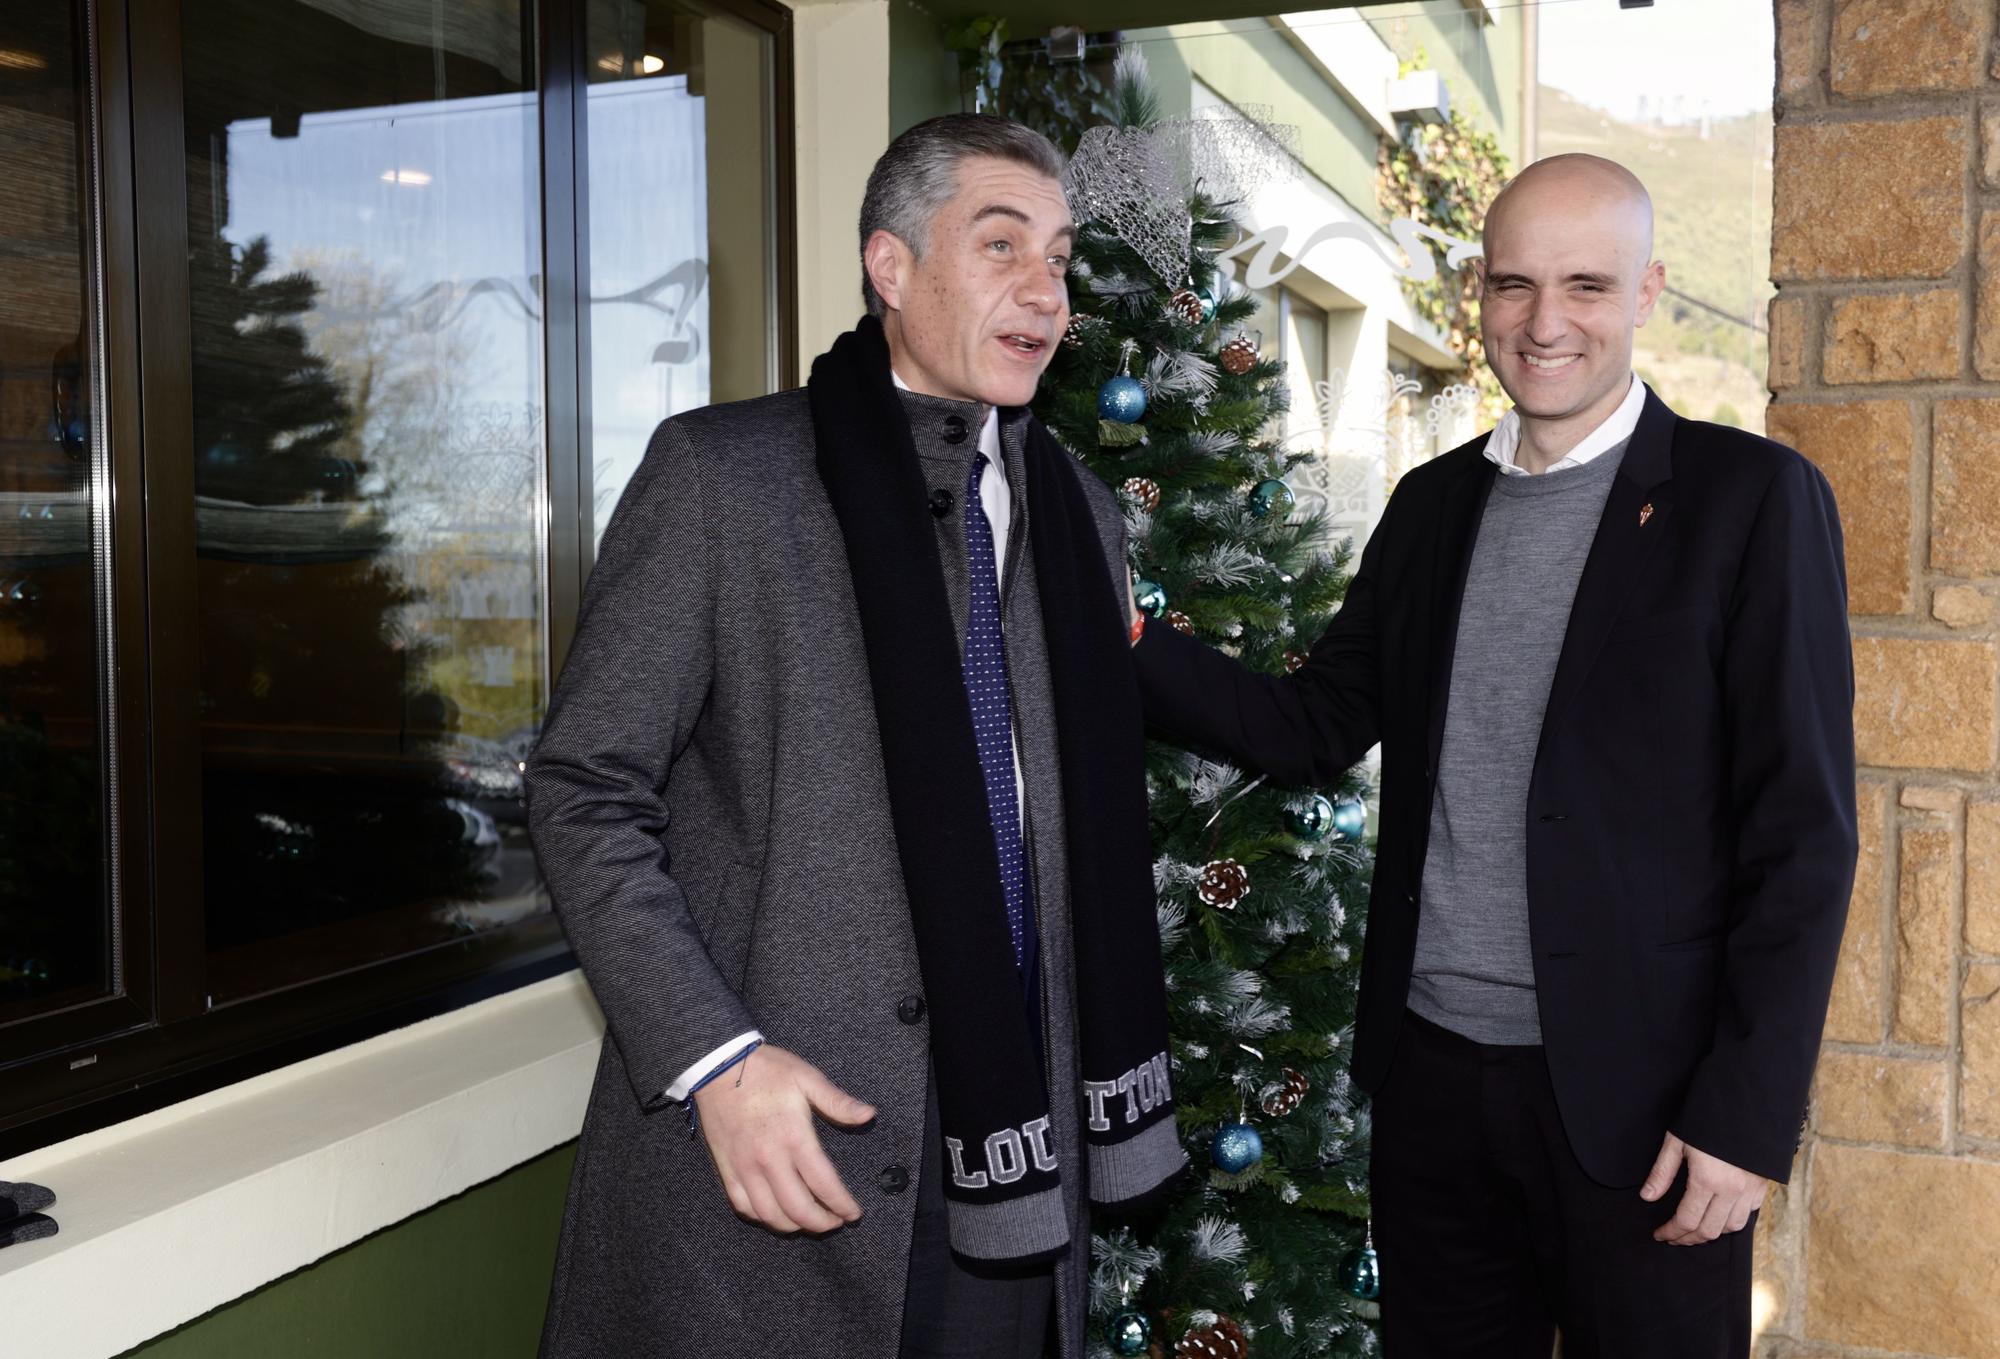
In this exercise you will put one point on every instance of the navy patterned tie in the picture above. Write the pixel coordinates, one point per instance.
(993, 720)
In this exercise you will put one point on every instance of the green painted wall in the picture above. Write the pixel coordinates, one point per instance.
(1249, 62)
(466, 1279)
(923, 77)
(1480, 61)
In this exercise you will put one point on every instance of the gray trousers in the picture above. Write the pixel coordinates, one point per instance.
(949, 1312)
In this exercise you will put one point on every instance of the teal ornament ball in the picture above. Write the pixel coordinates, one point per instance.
(1123, 399)
(1361, 1274)
(1271, 496)
(1350, 818)
(1310, 819)
(1128, 1332)
(1150, 598)
(1207, 296)
(1236, 1148)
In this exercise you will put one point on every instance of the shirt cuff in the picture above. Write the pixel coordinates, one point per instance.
(694, 1074)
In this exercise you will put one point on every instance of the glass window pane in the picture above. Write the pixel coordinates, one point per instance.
(1701, 140)
(363, 196)
(54, 909)
(683, 260)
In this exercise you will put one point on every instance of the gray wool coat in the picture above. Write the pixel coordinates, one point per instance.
(708, 803)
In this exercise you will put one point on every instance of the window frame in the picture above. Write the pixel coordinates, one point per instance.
(156, 1038)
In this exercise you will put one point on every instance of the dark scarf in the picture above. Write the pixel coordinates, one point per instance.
(1004, 1185)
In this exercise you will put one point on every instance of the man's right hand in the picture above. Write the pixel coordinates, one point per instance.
(757, 1118)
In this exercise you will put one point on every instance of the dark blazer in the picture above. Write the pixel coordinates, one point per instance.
(1690, 818)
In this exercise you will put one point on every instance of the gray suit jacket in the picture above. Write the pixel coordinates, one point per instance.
(708, 802)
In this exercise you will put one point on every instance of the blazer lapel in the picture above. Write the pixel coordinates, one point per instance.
(1456, 529)
(1627, 534)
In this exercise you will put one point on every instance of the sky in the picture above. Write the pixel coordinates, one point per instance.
(1676, 56)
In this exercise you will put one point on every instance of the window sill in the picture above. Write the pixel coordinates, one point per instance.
(179, 1211)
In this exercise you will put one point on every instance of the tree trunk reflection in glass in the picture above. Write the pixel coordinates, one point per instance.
(364, 246)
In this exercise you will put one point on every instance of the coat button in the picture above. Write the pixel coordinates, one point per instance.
(941, 502)
(893, 1180)
(954, 429)
(910, 1009)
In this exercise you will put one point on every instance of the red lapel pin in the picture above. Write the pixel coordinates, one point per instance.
(1645, 513)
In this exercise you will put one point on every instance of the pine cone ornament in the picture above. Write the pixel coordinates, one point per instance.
(1180, 622)
(1293, 660)
(1223, 883)
(1144, 490)
(1288, 1097)
(1186, 304)
(1222, 1340)
(1073, 333)
(1238, 356)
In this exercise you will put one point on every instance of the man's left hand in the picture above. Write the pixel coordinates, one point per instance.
(1719, 1197)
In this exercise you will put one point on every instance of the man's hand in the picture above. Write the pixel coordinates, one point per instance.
(1719, 1197)
(757, 1118)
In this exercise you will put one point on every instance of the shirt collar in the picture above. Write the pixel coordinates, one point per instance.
(1504, 446)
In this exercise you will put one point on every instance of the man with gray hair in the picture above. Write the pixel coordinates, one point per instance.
(841, 802)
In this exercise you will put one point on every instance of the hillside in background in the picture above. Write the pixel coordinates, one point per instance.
(1712, 204)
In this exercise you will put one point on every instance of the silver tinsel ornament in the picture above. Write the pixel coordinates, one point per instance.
(1137, 180)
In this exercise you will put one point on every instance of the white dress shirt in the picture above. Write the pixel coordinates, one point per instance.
(998, 502)
(1504, 446)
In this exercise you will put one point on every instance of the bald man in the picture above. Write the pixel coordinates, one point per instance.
(1604, 650)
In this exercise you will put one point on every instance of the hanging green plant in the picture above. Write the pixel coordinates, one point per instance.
(1445, 175)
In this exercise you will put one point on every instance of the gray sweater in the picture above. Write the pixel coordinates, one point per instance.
(1474, 970)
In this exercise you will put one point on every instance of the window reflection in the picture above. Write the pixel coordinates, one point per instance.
(54, 917)
(683, 299)
(363, 191)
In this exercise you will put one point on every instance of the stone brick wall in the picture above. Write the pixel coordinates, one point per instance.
(1885, 361)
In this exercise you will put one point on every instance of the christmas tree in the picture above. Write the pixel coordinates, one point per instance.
(323, 797)
(1159, 389)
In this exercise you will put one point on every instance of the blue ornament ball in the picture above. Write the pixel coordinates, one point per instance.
(1236, 1148)
(1271, 495)
(1207, 296)
(1310, 819)
(1128, 1332)
(1150, 598)
(1361, 1274)
(1122, 399)
(1350, 818)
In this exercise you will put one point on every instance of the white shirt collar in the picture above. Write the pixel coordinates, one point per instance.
(1504, 446)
